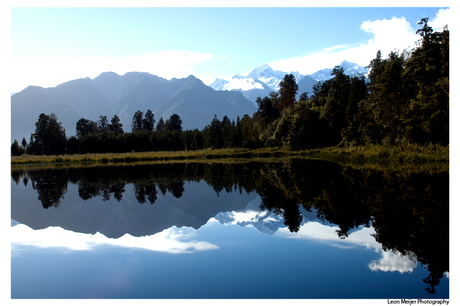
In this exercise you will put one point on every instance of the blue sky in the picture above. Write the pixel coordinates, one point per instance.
(50, 46)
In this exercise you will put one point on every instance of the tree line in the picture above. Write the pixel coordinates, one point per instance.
(405, 98)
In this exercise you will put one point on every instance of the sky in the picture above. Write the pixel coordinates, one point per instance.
(53, 45)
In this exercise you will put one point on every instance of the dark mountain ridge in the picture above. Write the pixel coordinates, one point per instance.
(110, 94)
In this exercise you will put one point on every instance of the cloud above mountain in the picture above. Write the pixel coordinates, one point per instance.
(386, 35)
(210, 52)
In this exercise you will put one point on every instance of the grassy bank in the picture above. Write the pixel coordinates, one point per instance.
(383, 155)
(199, 155)
(401, 158)
(403, 153)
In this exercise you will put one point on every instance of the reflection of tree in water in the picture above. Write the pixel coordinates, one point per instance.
(176, 188)
(143, 191)
(412, 216)
(409, 211)
(117, 189)
(432, 280)
(163, 187)
(342, 201)
(50, 185)
(274, 200)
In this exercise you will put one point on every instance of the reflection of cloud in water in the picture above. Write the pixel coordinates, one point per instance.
(172, 240)
(389, 261)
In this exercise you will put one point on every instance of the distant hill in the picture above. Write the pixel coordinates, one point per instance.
(110, 94)
(69, 101)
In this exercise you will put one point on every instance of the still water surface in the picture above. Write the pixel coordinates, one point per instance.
(296, 229)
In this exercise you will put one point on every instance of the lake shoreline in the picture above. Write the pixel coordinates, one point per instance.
(401, 154)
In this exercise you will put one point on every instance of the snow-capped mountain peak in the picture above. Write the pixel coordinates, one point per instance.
(237, 82)
(349, 68)
(263, 79)
(264, 74)
(264, 71)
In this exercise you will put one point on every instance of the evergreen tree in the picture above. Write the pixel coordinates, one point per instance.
(137, 121)
(213, 137)
(86, 127)
(275, 98)
(148, 122)
(24, 143)
(358, 93)
(320, 92)
(266, 109)
(103, 124)
(304, 96)
(174, 123)
(426, 84)
(238, 138)
(49, 136)
(115, 126)
(16, 150)
(160, 125)
(390, 99)
(288, 91)
(336, 102)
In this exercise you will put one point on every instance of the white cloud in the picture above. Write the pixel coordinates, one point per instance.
(383, 38)
(325, 233)
(51, 72)
(391, 262)
(442, 18)
(335, 48)
(388, 262)
(172, 240)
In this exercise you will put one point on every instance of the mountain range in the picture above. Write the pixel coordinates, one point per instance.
(114, 219)
(110, 94)
(263, 79)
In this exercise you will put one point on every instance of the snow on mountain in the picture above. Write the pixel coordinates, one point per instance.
(264, 74)
(263, 221)
(267, 75)
(353, 69)
(237, 82)
(271, 78)
(321, 75)
(350, 69)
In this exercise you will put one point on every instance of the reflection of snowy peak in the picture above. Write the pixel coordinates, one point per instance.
(263, 221)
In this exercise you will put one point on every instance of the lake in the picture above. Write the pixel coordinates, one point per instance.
(295, 229)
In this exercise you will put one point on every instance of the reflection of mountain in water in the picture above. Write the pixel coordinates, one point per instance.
(114, 219)
(265, 221)
(408, 210)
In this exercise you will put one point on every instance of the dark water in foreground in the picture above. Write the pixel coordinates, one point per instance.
(297, 229)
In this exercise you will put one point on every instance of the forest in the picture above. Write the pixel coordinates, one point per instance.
(404, 99)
